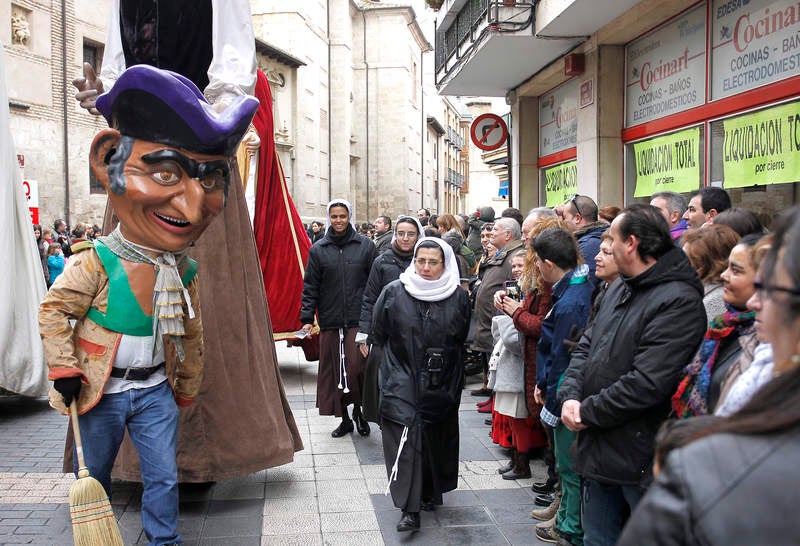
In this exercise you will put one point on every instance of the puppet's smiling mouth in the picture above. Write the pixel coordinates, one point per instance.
(177, 222)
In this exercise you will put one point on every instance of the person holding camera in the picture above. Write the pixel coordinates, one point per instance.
(420, 322)
(512, 423)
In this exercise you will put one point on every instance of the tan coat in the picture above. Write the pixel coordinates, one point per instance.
(87, 350)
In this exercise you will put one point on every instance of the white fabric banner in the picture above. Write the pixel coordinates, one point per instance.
(22, 368)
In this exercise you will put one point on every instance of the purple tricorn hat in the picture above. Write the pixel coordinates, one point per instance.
(158, 105)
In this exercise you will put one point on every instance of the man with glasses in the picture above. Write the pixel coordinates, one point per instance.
(505, 238)
(580, 213)
(385, 269)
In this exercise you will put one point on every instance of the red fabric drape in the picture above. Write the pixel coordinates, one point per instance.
(278, 230)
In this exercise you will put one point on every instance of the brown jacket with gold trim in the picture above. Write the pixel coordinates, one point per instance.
(87, 350)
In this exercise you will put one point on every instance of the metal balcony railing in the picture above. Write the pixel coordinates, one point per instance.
(499, 15)
(454, 178)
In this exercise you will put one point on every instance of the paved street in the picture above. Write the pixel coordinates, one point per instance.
(331, 494)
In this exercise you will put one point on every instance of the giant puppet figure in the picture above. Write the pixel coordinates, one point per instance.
(135, 352)
(241, 402)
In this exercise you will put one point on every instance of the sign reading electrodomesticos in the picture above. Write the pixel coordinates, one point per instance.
(754, 42)
(762, 147)
(121, 326)
(666, 69)
(558, 119)
(668, 163)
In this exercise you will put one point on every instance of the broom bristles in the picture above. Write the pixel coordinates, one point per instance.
(93, 521)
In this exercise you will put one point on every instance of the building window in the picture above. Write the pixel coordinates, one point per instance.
(93, 54)
(95, 187)
(503, 189)
(413, 82)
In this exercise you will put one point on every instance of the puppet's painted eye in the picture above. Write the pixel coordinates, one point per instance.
(166, 176)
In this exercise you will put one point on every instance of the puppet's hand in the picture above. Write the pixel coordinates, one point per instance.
(89, 88)
(68, 387)
(251, 142)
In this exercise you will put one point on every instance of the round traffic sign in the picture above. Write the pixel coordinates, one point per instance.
(488, 132)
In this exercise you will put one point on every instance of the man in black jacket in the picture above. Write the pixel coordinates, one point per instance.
(617, 389)
(333, 286)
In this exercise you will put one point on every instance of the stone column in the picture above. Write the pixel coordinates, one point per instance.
(525, 153)
(600, 151)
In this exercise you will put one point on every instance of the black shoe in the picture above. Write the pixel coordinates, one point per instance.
(345, 427)
(428, 506)
(543, 488)
(517, 474)
(481, 392)
(409, 522)
(362, 425)
(487, 421)
(506, 467)
(545, 500)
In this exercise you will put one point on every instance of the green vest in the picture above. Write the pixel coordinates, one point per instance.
(123, 313)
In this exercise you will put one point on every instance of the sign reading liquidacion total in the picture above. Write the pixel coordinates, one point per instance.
(666, 69)
(561, 182)
(668, 163)
(754, 42)
(762, 147)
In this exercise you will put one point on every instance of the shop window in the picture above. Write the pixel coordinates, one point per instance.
(756, 157)
(558, 183)
(668, 162)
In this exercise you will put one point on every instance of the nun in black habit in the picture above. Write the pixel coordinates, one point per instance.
(421, 322)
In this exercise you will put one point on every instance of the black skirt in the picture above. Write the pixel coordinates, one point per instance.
(428, 464)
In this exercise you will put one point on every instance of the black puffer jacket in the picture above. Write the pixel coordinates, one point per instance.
(385, 269)
(627, 365)
(335, 278)
(722, 489)
(406, 328)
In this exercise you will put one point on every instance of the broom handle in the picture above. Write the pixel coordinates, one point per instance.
(76, 430)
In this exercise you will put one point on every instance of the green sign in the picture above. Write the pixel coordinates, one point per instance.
(560, 182)
(763, 147)
(668, 163)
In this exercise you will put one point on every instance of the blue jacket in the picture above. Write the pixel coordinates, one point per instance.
(589, 238)
(55, 263)
(572, 297)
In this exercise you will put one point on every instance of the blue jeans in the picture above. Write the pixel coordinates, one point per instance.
(606, 508)
(151, 418)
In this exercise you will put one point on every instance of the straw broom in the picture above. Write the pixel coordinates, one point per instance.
(93, 521)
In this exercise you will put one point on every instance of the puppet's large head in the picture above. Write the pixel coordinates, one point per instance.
(165, 160)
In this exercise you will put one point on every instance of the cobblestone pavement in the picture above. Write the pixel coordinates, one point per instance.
(331, 494)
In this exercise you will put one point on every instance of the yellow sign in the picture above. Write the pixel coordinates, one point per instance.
(561, 182)
(668, 163)
(762, 148)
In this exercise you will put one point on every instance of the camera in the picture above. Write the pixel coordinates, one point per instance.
(513, 291)
(434, 365)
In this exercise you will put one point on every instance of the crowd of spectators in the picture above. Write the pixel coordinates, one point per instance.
(56, 245)
(608, 337)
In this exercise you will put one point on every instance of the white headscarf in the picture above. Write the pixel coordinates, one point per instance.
(441, 288)
(339, 202)
(405, 220)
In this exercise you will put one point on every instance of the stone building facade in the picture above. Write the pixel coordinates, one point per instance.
(352, 84)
